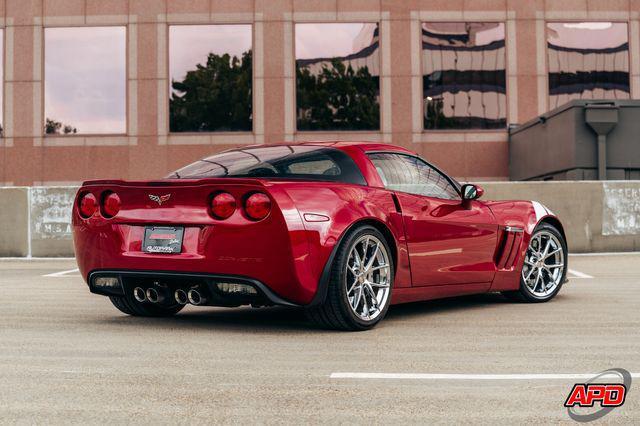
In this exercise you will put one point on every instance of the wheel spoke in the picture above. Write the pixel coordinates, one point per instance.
(353, 286)
(538, 276)
(372, 296)
(546, 249)
(376, 268)
(365, 305)
(379, 285)
(365, 249)
(372, 259)
(357, 263)
(557, 265)
(552, 253)
(529, 274)
(356, 299)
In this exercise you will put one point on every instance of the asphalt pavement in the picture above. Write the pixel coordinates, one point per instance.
(67, 356)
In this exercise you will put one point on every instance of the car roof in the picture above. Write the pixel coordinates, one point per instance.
(366, 146)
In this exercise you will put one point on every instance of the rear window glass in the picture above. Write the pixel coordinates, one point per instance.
(277, 162)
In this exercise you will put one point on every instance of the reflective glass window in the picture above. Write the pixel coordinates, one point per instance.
(85, 86)
(210, 67)
(463, 66)
(2, 85)
(587, 60)
(410, 174)
(306, 162)
(337, 76)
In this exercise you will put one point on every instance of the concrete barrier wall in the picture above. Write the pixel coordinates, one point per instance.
(598, 216)
(35, 221)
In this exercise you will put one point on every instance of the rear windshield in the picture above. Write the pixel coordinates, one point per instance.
(277, 162)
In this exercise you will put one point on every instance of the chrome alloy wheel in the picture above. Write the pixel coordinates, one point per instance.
(368, 277)
(543, 264)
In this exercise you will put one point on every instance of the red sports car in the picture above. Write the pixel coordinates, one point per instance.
(343, 229)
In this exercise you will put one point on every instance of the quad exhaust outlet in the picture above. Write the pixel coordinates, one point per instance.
(161, 295)
(154, 296)
(181, 296)
(195, 298)
(139, 294)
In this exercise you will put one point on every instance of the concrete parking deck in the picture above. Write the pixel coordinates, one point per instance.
(67, 356)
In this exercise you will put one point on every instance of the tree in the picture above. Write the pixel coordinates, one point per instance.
(214, 97)
(338, 98)
(53, 127)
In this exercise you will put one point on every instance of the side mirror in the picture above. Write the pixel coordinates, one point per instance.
(471, 192)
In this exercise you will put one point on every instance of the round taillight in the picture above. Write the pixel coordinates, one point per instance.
(88, 205)
(110, 204)
(223, 205)
(257, 206)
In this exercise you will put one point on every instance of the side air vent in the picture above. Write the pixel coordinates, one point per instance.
(509, 246)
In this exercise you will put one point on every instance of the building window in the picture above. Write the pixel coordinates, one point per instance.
(337, 76)
(210, 68)
(463, 67)
(1, 85)
(587, 60)
(85, 80)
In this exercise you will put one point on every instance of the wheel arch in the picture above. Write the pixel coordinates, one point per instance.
(323, 283)
(553, 221)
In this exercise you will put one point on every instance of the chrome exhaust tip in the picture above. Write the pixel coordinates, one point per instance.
(181, 296)
(153, 296)
(195, 298)
(139, 294)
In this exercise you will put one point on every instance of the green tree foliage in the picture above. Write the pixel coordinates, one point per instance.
(53, 127)
(338, 98)
(213, 97)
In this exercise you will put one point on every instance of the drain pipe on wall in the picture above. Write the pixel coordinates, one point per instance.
(602, 118)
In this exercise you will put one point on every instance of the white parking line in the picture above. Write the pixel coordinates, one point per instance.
(425, 376)
(578, 274)
(63, 273)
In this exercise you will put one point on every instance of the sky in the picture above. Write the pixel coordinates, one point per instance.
(330, 40)
(190, 45)
(588, 34)
(85, 78)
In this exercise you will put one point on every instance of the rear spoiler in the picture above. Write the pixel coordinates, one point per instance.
(176, 182)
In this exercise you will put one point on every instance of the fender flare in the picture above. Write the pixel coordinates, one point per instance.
(323, 282)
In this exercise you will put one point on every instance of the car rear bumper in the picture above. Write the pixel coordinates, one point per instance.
(172, 281)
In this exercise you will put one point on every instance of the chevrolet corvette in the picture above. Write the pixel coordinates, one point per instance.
(342, 229)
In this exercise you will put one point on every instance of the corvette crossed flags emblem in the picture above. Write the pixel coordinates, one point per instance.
(160, 199)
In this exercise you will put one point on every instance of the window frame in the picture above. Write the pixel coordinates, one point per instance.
(456, 186)
(507, 42)
(127, 80)
(168, 88)
(577, 21)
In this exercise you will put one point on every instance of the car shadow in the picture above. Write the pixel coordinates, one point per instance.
(431, 307)
(283, 319)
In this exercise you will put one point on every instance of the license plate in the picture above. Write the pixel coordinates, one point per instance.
(162, 239)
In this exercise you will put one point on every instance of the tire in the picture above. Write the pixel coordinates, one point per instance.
(336, 312)
(130, 306)
(544, 233)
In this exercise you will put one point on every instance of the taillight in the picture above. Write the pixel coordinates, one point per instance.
(110, 204)
(257, 206)
(87, 205)
(223, 205)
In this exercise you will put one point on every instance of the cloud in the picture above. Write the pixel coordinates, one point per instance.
(85, 78)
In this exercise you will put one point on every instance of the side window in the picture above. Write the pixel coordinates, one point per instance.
(410, 174)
